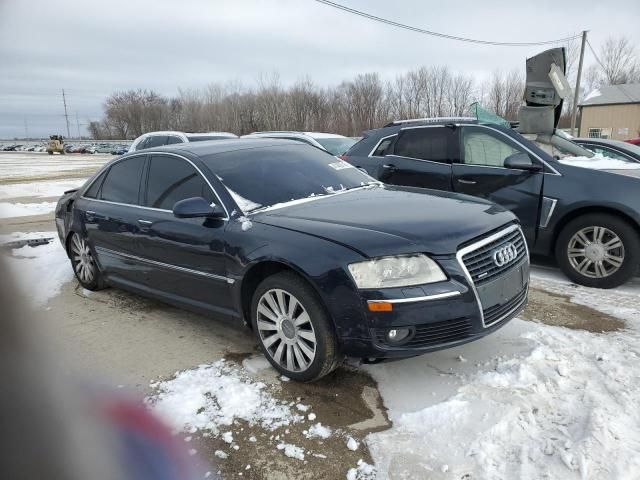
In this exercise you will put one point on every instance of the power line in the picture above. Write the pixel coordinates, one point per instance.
(436, 34)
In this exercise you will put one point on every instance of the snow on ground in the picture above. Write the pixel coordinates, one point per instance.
(211, 397)
(600, 163)
(40, 272)
(38, 189)
(11, 210)
(20, 165)
(531, 401)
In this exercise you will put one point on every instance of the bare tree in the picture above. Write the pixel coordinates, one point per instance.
(619, 61)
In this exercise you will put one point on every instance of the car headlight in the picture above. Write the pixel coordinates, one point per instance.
(396, 271)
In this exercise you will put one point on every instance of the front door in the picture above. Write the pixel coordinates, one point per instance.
(421, 158)
(187, 254)
(481, 172)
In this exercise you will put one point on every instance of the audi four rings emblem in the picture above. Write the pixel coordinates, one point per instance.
(505, 254)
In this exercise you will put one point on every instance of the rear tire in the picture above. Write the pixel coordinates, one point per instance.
(50, 152)
(293, 328)
(84, 264)
(598, 250)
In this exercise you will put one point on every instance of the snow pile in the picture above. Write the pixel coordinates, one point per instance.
(40, 272)
(363, 471)
(352, 444)
(38, 189)
(212, 397)
(319, 431)
(292, 451)
(599, 163)
(10, 210)
(566, 408)
(245, 204)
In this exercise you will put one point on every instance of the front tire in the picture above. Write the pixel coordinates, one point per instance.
(84, 264)
(598, 250)
(295, 332)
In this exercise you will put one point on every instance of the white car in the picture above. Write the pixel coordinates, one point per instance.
(158, 139)
(331, 142)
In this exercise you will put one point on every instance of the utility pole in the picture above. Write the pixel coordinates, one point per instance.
(78, 125)
(26, 129)
(66, 114)
(576, 94)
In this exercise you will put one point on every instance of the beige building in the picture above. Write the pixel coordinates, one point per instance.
(611, 112)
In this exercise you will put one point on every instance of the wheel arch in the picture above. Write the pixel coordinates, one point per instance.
(589, 210)
(263, 269)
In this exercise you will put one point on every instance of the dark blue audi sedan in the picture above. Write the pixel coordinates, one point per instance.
(317, 258)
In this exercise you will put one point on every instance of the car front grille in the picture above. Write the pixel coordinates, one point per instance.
(433, 334)
(480, 263)
(495, 313)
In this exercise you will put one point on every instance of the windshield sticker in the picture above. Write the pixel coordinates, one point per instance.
(341, 165)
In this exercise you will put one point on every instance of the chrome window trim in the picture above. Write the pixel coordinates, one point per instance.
(151, 152)
(479, 244)
(554, 202)
(607, 147)
(378, 144)
(450, 162)
(553, 170)
(113, 253)
(426, 298)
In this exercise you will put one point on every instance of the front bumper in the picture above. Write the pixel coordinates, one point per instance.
(445, 314)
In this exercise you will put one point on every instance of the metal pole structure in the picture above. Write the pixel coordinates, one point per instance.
(78, 125)
(26, 128)
(576, 94)
(66, 114)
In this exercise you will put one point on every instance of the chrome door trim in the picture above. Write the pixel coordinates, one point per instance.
(378, 144)
(151, 152)
(113, 253)
(479, 244)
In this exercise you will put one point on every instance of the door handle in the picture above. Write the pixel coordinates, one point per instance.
(145, 223)
(390, 167)
(90, 216)
(467, 182)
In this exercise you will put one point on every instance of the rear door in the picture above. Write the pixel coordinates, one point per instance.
(186, 255)
(111, 213)
(481, 172)
(420, 157)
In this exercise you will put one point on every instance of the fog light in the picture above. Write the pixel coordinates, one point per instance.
(397, 335)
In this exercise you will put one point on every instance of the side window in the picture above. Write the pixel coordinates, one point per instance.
(172, 179)
(384, 147)
(173, 139)
(123, 181)
(156, 141)
(430, 143)
(94, 189)
(482, 146)
(605, 152)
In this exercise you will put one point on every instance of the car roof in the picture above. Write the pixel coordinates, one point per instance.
(214, 147)
(295, 133)
(603, 141)
(207, 134)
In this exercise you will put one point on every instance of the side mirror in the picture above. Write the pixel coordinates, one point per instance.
(196, 207)
(521, 161)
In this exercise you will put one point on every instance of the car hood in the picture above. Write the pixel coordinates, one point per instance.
(628, 173)
(391, 220)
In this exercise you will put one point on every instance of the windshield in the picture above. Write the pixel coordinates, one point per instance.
(260, 178)
(336, 146)
(558, 147)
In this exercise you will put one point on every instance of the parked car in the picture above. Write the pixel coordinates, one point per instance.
(633, 141)
(318, 258)
(616, 149)
(12, 148)
(331, 142)
(158, 139)
(588, 219)
(104, 148)
(119, 149)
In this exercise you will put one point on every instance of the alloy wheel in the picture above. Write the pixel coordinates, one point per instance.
(596, 252)
(286, 330)
(83, 261)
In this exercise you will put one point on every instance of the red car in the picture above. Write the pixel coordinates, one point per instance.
(634, 141)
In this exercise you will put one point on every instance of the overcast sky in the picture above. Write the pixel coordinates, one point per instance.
(92, 48)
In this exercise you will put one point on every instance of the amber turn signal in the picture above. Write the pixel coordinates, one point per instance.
(380, 306)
